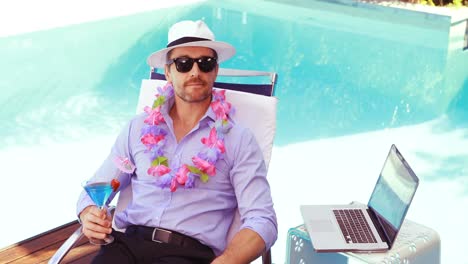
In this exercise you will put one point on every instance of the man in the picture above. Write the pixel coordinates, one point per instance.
(193, 168)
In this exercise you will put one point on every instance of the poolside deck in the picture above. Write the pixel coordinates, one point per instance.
(40, 248)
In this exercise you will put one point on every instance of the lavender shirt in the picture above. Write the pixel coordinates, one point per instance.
(206, 211)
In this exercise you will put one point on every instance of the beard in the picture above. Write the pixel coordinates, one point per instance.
(194, 95)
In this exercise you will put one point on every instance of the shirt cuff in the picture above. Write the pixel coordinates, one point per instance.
(83, 202)
(267, 230)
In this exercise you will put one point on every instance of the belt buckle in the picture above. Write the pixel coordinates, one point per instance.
(165, 235)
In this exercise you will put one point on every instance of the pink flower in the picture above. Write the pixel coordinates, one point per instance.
(158, 170)
(173, 185)
(204, 166)
(154, 116)
(220, 145)
(182, 174)
(221, 109)
(124, 164)
(213, 141)
(150, 140)
(219, 95)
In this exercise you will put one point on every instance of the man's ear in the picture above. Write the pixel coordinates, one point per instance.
(167, 73)
(216, 69)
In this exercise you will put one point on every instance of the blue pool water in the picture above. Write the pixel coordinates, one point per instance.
(348, 86)
(332, 81)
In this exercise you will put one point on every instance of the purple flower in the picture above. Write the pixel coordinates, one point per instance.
(222, 128)
(210, 154)
(190, 183)
(155, 151)
(153, 130)
(166, 91)
(164, 181)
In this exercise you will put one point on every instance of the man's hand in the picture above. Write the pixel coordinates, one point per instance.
(95, 223)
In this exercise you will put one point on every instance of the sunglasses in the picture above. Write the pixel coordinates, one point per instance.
(185, 64)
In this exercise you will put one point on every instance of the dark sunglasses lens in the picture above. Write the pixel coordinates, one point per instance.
(184, 64)
(206, 64)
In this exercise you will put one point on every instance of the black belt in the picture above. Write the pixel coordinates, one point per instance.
(161, 235)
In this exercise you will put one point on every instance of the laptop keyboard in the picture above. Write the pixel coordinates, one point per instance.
(354, 226)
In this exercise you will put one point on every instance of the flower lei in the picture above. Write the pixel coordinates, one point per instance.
(153, 136)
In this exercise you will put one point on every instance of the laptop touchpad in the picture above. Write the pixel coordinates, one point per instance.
(324, 225)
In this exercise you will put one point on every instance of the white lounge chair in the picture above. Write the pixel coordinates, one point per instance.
(255, 109)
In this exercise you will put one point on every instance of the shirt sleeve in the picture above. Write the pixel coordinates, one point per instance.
(248, 176)
(109, 169)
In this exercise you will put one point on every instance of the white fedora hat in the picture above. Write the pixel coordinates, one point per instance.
(191, 34)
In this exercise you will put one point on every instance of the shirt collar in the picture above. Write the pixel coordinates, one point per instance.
(208, 116)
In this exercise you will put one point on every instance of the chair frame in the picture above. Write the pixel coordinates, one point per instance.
(261, 89)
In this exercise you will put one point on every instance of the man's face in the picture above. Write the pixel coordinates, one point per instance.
(195, 85)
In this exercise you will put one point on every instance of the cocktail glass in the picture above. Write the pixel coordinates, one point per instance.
(99, 191)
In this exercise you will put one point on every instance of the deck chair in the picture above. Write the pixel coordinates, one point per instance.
(255, 109)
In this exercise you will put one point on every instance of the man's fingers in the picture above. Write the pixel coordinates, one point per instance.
(98, 217)
(92, 230)
(95, 223)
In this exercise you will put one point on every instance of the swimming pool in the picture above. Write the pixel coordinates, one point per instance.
(348, 86)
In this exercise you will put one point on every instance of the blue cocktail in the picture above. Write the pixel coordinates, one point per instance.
(99, 193)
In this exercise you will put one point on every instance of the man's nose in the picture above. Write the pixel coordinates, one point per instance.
(195, 71)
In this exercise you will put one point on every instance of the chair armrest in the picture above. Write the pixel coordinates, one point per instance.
(66, 247)
(71, 242)
(266, 257)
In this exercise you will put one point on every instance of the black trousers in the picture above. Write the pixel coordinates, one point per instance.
(132, 249)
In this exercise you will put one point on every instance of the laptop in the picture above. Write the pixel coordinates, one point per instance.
(371, 228)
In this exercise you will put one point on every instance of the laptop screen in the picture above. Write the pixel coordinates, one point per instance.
(393, 193)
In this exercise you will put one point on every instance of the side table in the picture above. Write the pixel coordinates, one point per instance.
(415, 244)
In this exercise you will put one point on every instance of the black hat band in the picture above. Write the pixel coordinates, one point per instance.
(185, 40)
